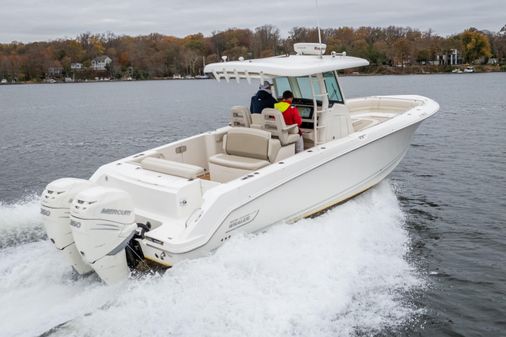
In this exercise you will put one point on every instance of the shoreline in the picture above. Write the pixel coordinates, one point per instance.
(372, 71)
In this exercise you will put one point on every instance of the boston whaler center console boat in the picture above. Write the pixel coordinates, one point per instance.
(184, 199)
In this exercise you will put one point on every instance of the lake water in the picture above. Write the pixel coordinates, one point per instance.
(423, 253)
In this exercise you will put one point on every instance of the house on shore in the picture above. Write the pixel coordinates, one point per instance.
(54, 71)
(451, 58)
(101, 62)
(76, 66)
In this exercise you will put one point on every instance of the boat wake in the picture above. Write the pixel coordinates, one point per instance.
(341, 274)
(20, 223)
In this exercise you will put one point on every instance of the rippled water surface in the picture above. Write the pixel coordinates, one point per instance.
(420, 254)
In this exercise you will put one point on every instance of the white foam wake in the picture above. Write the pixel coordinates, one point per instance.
(341, 274)
(20, 222)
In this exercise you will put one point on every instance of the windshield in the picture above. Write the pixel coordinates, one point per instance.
(305, 87)
(281, 84)
(332, 87)
(301, 87)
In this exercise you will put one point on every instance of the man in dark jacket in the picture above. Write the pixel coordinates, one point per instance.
(263, 99)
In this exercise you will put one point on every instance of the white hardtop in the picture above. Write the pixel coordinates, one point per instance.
(287, 65)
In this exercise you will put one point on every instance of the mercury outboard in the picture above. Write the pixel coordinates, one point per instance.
(103, 222)
(55, 210)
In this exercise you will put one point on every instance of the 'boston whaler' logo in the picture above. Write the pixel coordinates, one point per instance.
(115, 211)
(238, 222)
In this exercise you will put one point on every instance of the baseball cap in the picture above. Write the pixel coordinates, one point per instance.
(266, 85)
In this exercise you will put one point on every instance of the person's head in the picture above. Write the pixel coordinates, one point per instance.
(265, 86)
(288, 95)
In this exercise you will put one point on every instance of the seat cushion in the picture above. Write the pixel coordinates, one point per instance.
(172, 167)
(244, 163)
(245, 142)
(291, 138)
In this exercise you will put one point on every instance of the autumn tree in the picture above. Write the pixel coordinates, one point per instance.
(195, 42)
(93, 45)
(156, 55)
(174, 59)
(499, 46)
(265, 41)
(303, 34)
(402, 49)
(475, 45)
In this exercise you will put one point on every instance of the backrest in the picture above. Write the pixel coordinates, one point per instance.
(247, 142)
(274, 122)
(257, 121)
(240, 116)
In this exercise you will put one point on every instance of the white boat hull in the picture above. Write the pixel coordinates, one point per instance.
(291, 194)
(190, 217)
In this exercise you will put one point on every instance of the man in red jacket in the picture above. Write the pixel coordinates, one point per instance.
(291, 116)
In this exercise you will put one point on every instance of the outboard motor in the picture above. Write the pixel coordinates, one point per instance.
(103, 222)
(55, 209)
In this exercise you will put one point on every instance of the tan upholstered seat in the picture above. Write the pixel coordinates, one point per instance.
(243, 163)
(240, 116)
(245, 150)
(173, 168)
(274, 122)
(257, 121)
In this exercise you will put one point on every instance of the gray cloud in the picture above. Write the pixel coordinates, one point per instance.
(30, 20)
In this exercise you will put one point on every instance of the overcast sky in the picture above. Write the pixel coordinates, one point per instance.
(36, 20)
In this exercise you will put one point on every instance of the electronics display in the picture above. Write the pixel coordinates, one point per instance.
(305, 112)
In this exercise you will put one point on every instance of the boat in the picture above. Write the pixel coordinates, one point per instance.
(185, 199)
(469, 69)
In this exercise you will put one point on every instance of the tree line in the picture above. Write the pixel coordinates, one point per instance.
(159, 56)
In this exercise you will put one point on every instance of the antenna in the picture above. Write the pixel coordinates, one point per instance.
(318, 25)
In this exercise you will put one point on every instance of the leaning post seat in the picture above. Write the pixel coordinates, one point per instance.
(257, 121)
(245, 150)
(274, 122)
(240, 116)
